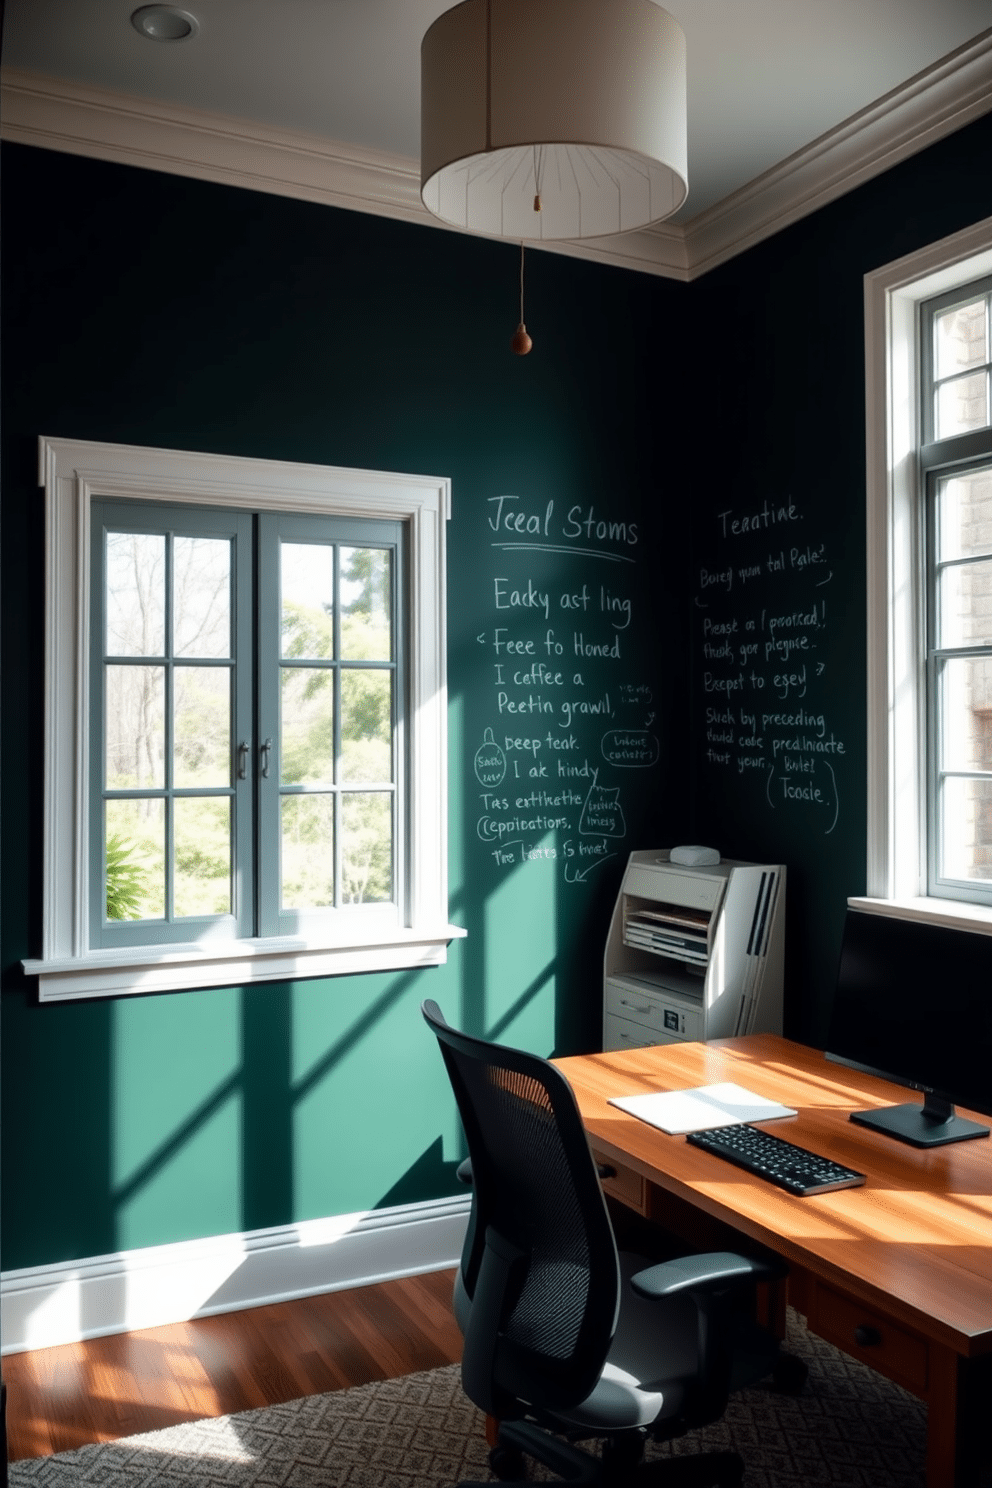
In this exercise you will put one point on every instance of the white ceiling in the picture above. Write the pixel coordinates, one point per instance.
(765, 77)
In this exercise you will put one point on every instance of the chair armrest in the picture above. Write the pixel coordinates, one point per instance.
(711, 1272)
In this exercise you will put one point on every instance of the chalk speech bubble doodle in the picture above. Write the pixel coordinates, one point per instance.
(630, 749)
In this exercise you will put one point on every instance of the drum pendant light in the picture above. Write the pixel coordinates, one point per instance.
(548, 119)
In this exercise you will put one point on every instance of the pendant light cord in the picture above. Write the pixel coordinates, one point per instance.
(521, 343)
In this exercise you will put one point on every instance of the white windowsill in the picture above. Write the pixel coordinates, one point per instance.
(135, 970)
(953, 912)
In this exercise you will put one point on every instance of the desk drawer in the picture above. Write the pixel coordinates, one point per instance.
(620, 1033)
(664, 1017)
(867, 1335)
(625, 1185)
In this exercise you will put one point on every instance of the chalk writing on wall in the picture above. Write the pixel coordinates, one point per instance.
(763, 613)
(569, 713)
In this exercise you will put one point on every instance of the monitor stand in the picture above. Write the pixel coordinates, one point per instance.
(931, 1125)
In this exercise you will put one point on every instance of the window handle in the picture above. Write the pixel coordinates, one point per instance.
(265, 752)
(243, 752)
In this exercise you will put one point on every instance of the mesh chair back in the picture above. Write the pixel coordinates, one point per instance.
(540, 1245)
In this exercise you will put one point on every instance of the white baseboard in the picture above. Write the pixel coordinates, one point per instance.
(66, 1302)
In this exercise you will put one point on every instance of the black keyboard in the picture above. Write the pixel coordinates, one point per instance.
(793, 1168)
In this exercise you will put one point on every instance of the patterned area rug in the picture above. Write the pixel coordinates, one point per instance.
(850, 1429)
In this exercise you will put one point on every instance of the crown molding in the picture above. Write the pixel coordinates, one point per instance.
(931, 105)
(81, 120)
(56, 114)
(59, 115)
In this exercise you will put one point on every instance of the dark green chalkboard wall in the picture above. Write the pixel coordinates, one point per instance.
(176, 313)
(186, 315)
(786, 395)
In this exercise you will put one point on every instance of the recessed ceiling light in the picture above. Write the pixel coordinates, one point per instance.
(164, 23)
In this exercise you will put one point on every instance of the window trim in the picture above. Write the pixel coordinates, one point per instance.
(73, 473)
(896, 846)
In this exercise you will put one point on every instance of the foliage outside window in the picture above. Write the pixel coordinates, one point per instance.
(189, 608)
(338, 699)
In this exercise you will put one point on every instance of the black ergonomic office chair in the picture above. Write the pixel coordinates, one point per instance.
(562, 1334)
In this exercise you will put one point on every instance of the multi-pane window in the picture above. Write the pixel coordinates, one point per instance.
(956, 461)
(246, 722)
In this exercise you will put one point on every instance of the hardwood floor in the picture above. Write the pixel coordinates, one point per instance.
(64, 1397)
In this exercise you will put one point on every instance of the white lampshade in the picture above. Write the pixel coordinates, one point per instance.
(578, 102)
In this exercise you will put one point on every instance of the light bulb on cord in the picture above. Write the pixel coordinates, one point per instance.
(520, 342)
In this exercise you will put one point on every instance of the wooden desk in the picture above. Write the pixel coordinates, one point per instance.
(907, 1257)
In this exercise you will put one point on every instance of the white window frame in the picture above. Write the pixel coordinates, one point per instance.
(897, 867)
(73, 473)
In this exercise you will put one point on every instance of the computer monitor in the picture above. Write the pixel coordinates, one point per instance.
(914, 1003)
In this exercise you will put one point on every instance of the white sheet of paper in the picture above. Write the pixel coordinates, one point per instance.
(677, 1111)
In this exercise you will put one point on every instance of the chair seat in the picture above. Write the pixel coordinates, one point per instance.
(547, 1305)
(652, 1358)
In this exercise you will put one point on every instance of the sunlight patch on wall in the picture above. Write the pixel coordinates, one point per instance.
(360, 1120)
(176, 1118)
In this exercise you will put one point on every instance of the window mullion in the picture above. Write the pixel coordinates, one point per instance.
(242, 700)
(337, 797)
(268, 846)
(169, 689)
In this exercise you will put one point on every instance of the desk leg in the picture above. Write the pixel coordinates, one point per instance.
(959, 1439)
